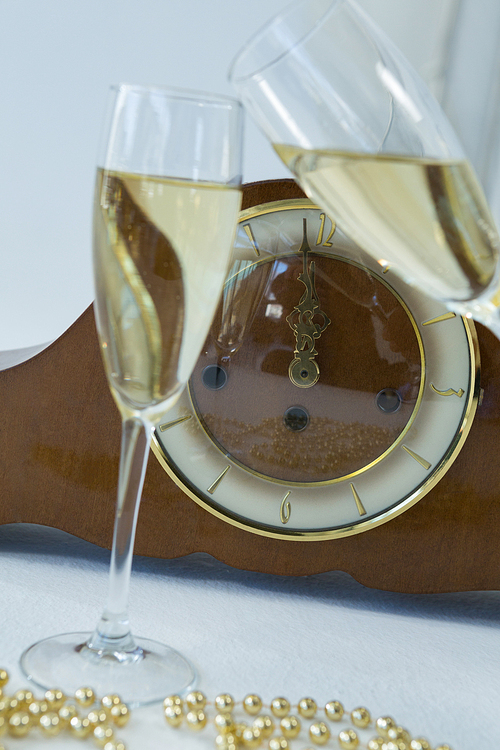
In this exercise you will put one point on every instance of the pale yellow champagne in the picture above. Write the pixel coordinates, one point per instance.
(161, 251)
(427, 217)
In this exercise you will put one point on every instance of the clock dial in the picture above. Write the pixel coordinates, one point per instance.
(254, 406)
(329, 396)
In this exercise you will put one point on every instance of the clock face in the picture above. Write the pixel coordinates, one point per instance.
(329, 396)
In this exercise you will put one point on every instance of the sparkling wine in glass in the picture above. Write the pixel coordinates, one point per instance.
(167, 198)
(367, 141)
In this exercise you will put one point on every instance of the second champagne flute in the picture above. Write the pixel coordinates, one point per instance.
(367, 141)
(166, 204)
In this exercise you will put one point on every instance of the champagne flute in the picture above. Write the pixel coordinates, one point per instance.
(166, 203)
(366, 140)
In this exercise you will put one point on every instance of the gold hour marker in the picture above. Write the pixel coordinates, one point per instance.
(440, 318)
(417, 458)
(357, 499)
(174, 422)
(449, 392)
(219, 479)
(249, 234)
(319, 239)
(285, 509)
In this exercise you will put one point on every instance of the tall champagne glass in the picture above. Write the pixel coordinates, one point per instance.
(367, 141)
(166, 203)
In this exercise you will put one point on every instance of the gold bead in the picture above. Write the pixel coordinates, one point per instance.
(360, 717)
(376, 743)
(25, 697)
(226, 742)
(319, 733)
(112, 699)
(66, 713)
(50, 723)
(173, 715)
(443, 747)
(85, 696)
(196, 700)
(278, 743)
(102, 733)
(396, 745)
(98, 716)
(120, 714)
(348, 739)
(10, 705)
(419, 743)
(398, 733)
(80, 727)
(265, 724)
(252, 704)
(19, 723)
(37, 708)
(280, 707)
(115, 745)
(4, 677)
(334, 710)
(239, 728)
(3, 724)
(251, 737)
(224, 723)
(196, 720)
(307, 708)
(224, 703)
(55, 698)
(290, 726)
(171, 700)
(384, 723)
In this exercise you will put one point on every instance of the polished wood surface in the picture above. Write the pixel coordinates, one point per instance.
(60, 444)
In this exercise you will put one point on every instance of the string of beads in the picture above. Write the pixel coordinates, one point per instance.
(83, 715)
(276, 725)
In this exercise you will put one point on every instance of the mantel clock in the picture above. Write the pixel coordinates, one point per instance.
(337, 418)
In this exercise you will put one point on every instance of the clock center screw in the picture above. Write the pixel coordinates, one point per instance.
(296, 419)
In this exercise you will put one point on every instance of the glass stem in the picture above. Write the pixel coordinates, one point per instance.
(112, 636)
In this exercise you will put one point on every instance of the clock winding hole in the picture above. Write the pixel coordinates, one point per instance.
(214, 377)
(388, 400)
(296, 419)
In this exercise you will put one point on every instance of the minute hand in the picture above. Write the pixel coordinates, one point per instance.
(303, 370)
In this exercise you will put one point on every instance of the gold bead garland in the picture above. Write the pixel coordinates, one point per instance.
(274, 727)
(82, 715)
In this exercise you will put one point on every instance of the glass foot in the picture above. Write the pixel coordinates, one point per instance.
(65, 662)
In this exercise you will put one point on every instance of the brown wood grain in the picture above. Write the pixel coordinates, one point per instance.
(60, 442)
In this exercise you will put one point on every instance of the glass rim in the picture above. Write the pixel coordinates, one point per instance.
(175, 92)
(267, 30)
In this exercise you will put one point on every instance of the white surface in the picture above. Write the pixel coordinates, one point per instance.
(430, 661)
(58, 59)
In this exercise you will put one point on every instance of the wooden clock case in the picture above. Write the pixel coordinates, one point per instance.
(60, 444)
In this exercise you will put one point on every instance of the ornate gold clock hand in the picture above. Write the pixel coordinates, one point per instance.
(303, 370)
